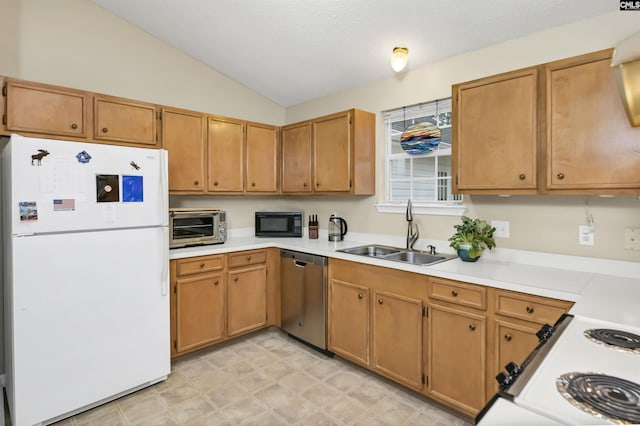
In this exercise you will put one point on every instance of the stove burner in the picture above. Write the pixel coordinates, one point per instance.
(615, 339)
(610, 398)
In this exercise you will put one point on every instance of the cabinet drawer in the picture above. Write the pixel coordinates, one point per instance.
(196, 265)
(530, 308)
(247, 258)
(471, 295)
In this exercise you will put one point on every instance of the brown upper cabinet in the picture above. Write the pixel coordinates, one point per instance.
(184, 137)
(123, 120)
(297, 157)
(589, 141)
(336, 151)
(495, 133)
(555, 128)
(226, 154)
(45, 109)
(262, 165)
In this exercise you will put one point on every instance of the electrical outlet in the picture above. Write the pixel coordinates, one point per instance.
(586, 235)
(632, 238)
(502, 228)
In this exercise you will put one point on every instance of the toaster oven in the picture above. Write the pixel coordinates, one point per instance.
(192, 227)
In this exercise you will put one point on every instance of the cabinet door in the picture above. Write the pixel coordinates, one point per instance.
(45, 109)
(247, 299)
(457, 357)
(397, 337)
(120, 120)
(199, 311)
(349, 321)
(332, 153)
(184, 137)
(513, 342)
(262, 158)
(226, 153)
(296, 158)
(495, 133)
(590, 142)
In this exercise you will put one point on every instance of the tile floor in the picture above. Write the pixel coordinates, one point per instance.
(267, 379)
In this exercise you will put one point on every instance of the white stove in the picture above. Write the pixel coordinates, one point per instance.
(577, 379)
(575, 355)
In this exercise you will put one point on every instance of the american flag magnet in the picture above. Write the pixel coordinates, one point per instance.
(64, 204)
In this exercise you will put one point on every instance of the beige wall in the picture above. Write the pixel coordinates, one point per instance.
(10, 13)
(76, 43)
(541, 223)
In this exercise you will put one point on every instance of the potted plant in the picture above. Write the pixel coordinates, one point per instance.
(471, 237)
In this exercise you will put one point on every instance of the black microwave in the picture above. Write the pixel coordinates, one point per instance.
(279, 224)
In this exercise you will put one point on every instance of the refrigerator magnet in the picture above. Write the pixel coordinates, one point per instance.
(38, 157)
(28, 211)
(132, 189)
(83, 157)
(134, 165)
(107, 188)
(64, 204)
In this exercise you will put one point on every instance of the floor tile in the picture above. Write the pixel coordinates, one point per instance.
(268, 379)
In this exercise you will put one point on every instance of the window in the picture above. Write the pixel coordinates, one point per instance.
(423, 178)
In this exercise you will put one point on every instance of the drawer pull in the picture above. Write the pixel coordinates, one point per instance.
(201, 265)
(305, 184)
(235, 278)
(253, 184)
(472, 327)
(216, 282)
(74, 126)
(196, 183)
(215, 183)
(522, 176)
(529, 309)
(507, 337)
(560, 176)
(248, 258)
(380, 301)
(105, 130)
(454, 293)
(360, 295)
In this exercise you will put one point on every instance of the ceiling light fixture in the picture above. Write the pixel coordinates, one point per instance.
(399, 58)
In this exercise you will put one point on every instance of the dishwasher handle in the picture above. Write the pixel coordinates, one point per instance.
(299, 263)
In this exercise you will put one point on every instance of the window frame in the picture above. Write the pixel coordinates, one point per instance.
(447, 208)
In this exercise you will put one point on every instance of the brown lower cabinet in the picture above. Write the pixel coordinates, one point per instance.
(375, 319)
(443, 338)
(221, 296)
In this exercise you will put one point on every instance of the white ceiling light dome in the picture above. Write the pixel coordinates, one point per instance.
(399, 58)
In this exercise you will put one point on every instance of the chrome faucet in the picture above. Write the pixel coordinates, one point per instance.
(412, 230)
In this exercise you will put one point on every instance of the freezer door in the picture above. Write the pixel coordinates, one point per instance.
(60, 186)
(88, 318)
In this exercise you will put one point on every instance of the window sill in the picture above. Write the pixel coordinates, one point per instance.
(436, 209)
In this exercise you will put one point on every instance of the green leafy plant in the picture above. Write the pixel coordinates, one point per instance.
(476, 233)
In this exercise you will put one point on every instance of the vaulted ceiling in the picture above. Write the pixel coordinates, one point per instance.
(292, 51)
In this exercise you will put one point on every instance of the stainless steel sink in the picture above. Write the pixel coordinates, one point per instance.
(372, 250)
(395, 254)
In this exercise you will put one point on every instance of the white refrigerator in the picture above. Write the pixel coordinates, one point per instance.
(86, 274)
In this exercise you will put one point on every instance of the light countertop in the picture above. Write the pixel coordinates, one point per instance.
(602, 289)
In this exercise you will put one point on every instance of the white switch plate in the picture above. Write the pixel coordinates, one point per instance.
(585, 235)
(502, 228)
(632, 238)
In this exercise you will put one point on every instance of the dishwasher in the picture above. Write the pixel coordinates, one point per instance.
(304, 296)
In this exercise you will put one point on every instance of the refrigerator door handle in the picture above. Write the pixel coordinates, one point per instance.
(164, 270)
(164, 185)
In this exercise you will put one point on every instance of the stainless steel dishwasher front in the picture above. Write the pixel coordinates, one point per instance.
(304, 295)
